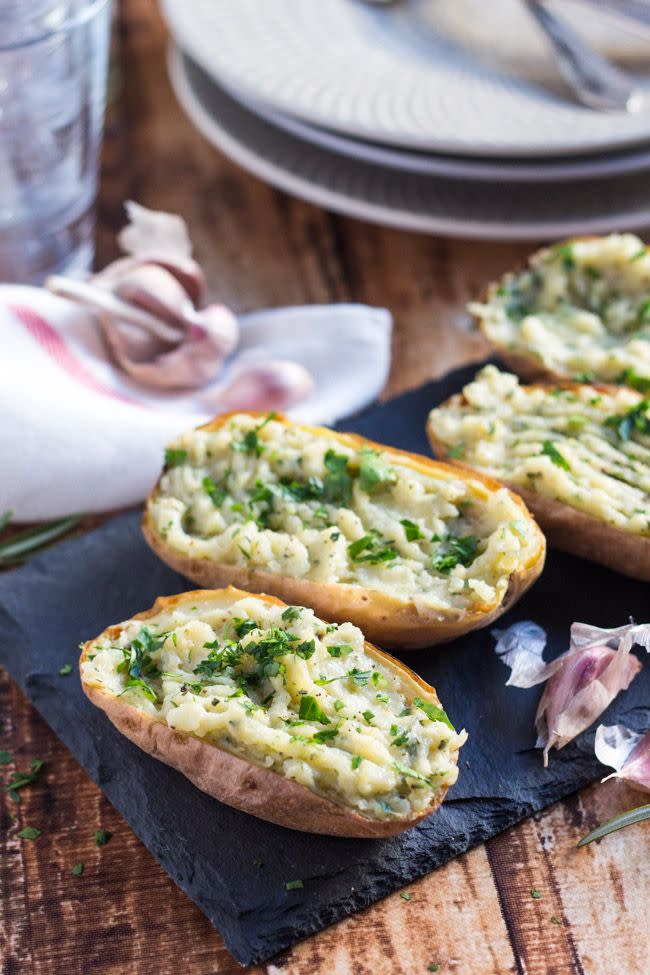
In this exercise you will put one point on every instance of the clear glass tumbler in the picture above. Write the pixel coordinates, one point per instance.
(53, 63)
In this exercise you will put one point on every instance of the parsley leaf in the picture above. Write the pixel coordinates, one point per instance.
(432, 711)
(175, 456)
(337, 484)
(358, 677)
(216, 493)
(327, 734)
(77, 870)
(635, 419)
(29, 833)
(550, 450)
(137, 683)
(306, 649)
(356, 761)
(18, 780)
(373, 549)
(410, 773)
(459, 551)
(310, 710)
(630, 377)
(411, 530)
(374, 472)
(294, 885)
(102, 836)
(312, 490)
(250, 444)
(340, 650)
(242, 627)
(368, 716)
(66, 670)
(291, 613)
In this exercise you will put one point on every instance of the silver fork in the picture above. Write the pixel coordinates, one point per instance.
(595, 81)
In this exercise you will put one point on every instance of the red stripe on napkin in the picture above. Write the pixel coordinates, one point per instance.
(51, 342)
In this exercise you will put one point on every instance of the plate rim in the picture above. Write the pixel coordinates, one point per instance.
(350, 206)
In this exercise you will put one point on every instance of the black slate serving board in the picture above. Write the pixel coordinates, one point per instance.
(73, 591)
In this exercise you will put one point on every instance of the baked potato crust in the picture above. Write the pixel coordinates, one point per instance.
(567, 528)
(259, 791)
(383, 618)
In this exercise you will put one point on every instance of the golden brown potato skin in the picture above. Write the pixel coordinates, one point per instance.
(392, 622)
(232, 780)
(565, 527)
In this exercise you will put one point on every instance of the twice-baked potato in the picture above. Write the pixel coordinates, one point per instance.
(580, 311)
(413, 552)
(578, 454)
(276, 713)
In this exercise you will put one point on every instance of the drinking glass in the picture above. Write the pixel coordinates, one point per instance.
(53, 62)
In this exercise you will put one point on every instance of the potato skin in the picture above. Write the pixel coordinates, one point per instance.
(259, 791)
(565, 527)
(392, 622)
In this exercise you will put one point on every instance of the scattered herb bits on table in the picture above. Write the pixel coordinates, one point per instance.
(578, 454)
(412, 551)
(277, 713)
(580, 310)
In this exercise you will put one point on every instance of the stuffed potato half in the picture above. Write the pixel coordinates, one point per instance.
(275, 712)
(412, 551)
(578, 454)
(579, 310)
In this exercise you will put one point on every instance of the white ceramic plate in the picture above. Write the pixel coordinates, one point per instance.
(411, 201)
(461, 76)
(548, 170)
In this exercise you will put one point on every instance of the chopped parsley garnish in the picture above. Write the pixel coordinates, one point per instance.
(358, 677)
(250, 444)
(411, 530)
(368, 717)
(405, 897)
(29, 833)
(310, 710)
(340, 650)
(550, 450)
(136, 683)
(433, 967)
(535, 894)
(383, 698)
(294, 885)
(311, 490)
(399, 737)
(175, 456)
(643, 311)
(565, 252)
(102, 836)
(410, 773)
(327, 734)
(338, 705)
(5, 758)
(214, 491)
(356, 761)
(77, 870)
(337, 484)
(291, 613)
(242, 627)
(18, 780)
(373, 549)
(630, 377)
(66, 670)
(639, 254)
(374, 472)
(306, 649)
(456, 451)
(635, 419)
(432, 711)
(458, 551)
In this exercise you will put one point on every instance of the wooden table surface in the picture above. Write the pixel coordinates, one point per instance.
(475, 916)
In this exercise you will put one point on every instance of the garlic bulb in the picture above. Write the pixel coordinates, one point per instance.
(276, 384)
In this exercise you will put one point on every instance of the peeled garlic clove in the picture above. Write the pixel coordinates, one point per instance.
(274, 385)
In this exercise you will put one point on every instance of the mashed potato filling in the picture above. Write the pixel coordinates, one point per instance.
(279, 497)
(582, 446)
(581, 309)
(280, 688)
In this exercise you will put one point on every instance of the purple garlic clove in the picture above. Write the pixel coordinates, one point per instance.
(274, 385)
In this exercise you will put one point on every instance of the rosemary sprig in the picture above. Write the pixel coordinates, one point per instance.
(618, 822)
(25, 542)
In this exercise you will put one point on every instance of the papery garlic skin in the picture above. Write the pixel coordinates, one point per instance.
(581, 683)
(627, 752)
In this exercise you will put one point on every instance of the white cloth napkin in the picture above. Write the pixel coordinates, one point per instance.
(78, 435)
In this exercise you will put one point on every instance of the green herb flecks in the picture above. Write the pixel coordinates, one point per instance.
(291, 613)
(550, 450)
(374, 473)
(327, 734)
(5, 758)
(65, 671)
(250, 444)
(18, 780)
(405, 897)
(411, 530)
(294, 885)
(635, 420)
(77, 870)
(340, 650)
(310, 710)
(432, 711)
(29, 833)
(175, 456)
(535, 894)
(373, 549)
(630, 377)
(102, 837)
(456, 551)
(214, 491)
(337, 484)
(358, 677)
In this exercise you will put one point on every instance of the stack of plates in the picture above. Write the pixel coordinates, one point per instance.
(444, 116)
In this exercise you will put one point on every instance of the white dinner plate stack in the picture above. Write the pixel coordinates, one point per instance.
(444, 116)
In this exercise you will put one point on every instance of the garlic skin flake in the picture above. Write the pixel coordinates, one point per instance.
(581, 683)
(627, 752)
